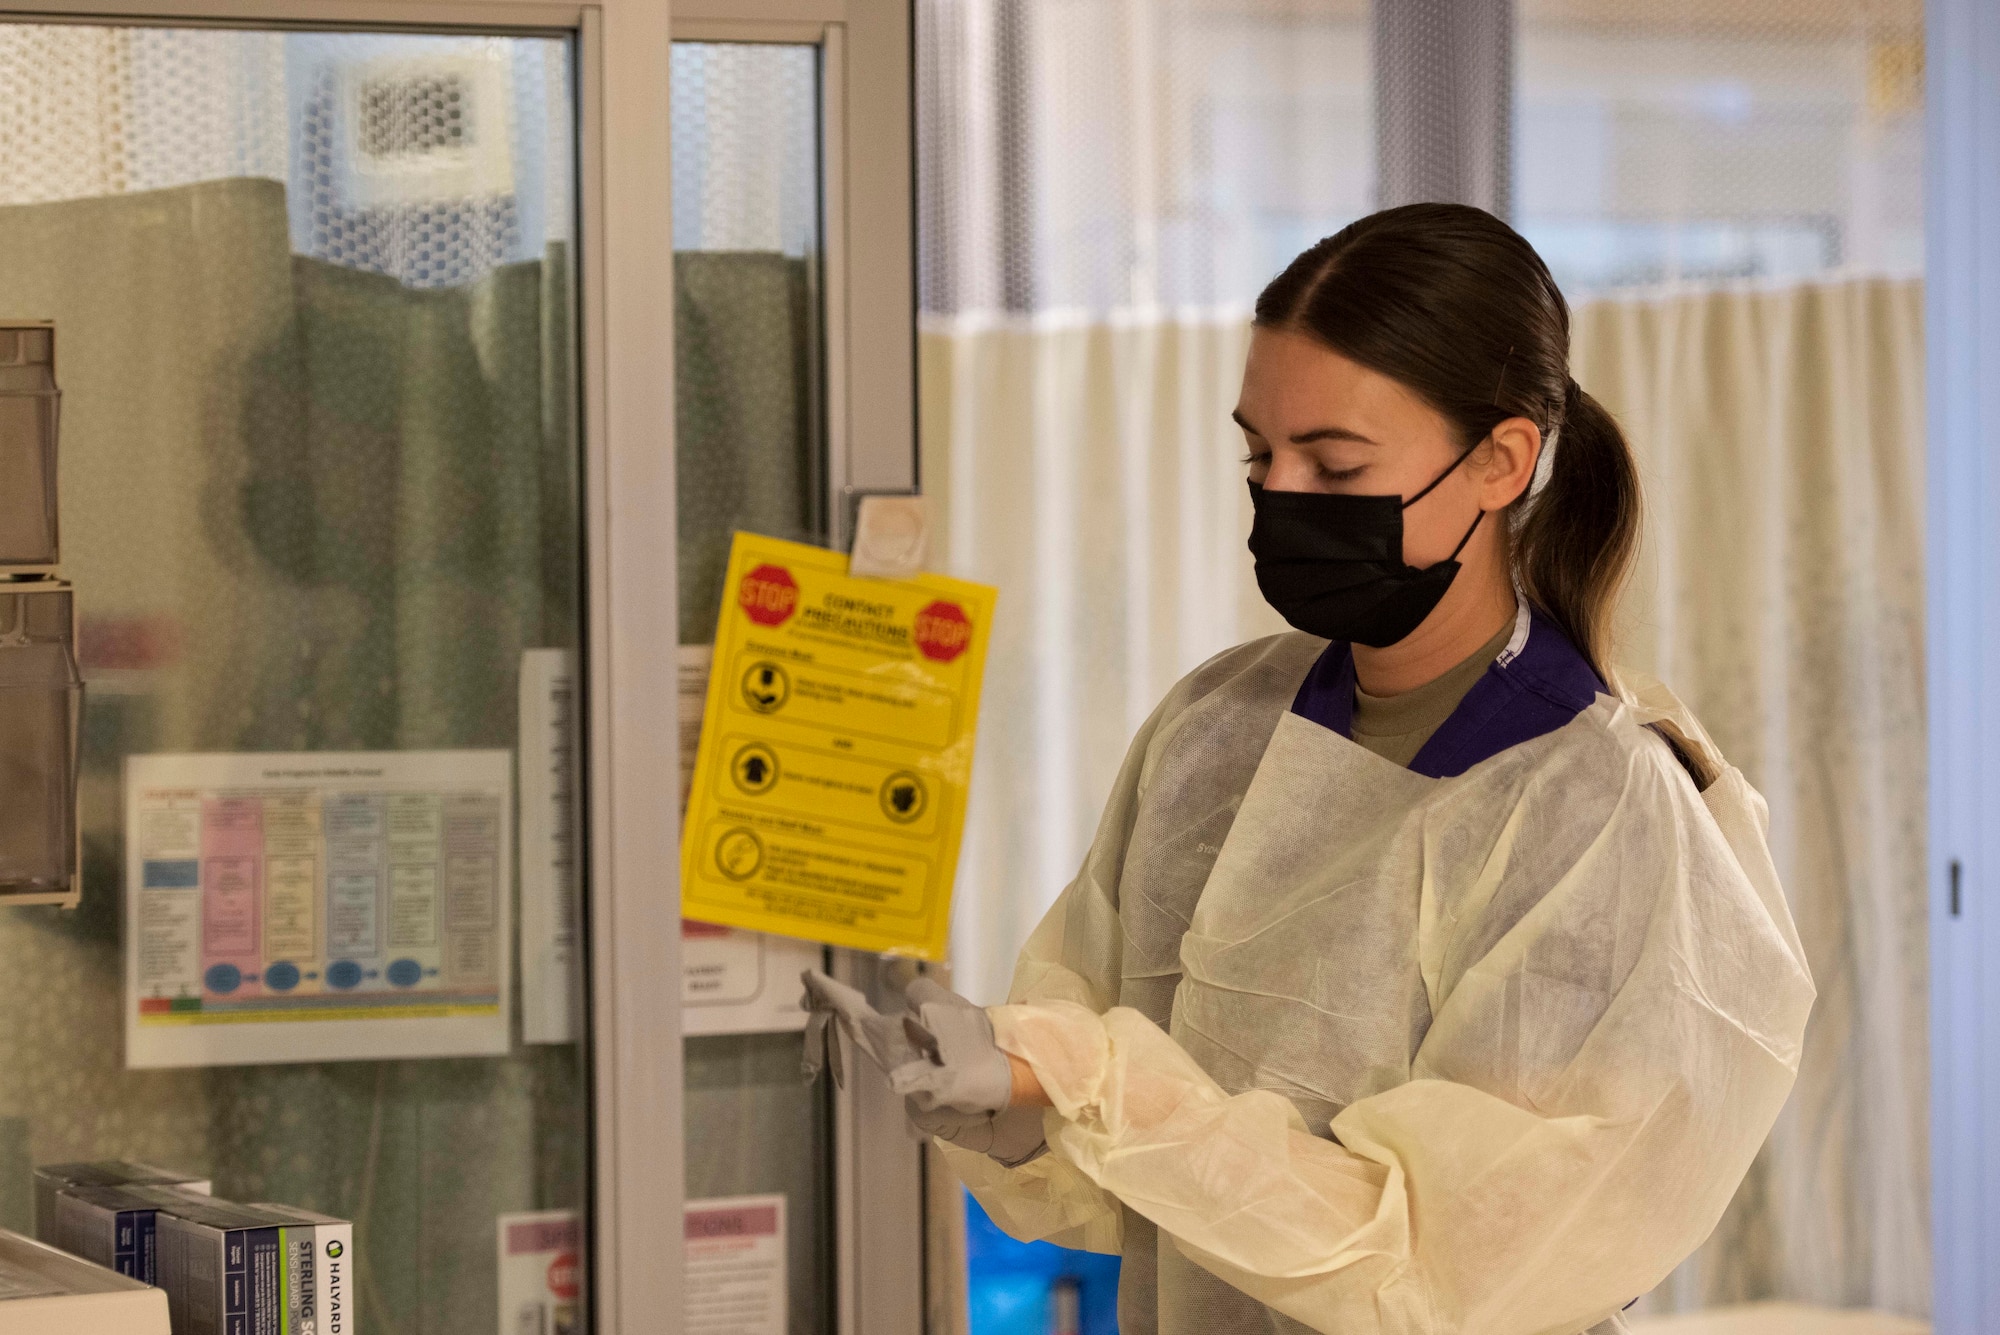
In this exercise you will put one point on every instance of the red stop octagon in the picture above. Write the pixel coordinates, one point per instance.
(562, 1276)
(942, 631)
(768, 595)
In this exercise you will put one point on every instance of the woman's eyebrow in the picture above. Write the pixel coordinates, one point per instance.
(1330, 433)
(1308, 437)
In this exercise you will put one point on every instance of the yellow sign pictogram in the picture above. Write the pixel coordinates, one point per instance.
(836, 750)
(767, 687)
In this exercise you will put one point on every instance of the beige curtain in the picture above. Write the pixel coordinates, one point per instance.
(743, 426)
(1091, 472)
(1782, 594)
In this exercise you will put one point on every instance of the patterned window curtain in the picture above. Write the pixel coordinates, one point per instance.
(1731, 198)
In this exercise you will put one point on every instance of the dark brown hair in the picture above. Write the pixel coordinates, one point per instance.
(1451, 302)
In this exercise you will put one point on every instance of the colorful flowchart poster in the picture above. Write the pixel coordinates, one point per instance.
(317, 907)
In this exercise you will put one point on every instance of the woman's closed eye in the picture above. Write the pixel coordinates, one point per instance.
(1258, 462)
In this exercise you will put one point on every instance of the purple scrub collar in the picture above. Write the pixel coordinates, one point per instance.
(1539, 682)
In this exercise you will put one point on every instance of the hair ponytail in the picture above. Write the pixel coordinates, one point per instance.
(1452, 303)
(1574, 539)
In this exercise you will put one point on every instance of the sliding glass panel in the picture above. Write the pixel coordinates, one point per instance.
(750, 447)
(315, 337)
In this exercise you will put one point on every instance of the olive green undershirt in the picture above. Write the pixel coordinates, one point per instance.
(1395, 727)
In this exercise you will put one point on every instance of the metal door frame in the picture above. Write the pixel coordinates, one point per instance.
(625, 327)
(1962, 338)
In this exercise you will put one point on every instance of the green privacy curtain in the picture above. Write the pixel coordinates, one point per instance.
(305, 508)
(415, 488)
(417, 496)
(746, 448)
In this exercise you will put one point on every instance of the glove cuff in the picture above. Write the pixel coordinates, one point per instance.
(1018, 1137)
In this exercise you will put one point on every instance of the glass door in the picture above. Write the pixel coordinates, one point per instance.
(794, 383)
(750, 454)
(315, 314)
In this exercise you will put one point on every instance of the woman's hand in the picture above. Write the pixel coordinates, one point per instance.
(956, 1063)
(1028, 1091)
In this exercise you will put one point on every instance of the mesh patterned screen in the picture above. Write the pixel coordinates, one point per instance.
(418, 157)
(99, 111)
(1777, 139)
(746, 166)
(424, 113)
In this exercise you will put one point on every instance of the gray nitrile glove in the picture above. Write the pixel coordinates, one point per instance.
(831, 1001)
(956, 1064)
(1012, 1138)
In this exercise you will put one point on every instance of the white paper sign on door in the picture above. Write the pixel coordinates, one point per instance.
(540, 1277)
(321, 906)
(736, 982)
(733, 982)
(549, 813)
(736, 1267)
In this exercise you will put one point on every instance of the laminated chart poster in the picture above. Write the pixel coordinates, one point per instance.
(317, 907)
(836, 751)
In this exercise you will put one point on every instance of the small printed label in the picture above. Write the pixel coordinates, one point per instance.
(736, 1266)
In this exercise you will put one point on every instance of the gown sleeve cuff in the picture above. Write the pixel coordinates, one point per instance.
(1066, 1046)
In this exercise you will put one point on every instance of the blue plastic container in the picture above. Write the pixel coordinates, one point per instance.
(1012, 1287)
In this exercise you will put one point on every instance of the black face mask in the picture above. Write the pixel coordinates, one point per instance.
(1333, 565)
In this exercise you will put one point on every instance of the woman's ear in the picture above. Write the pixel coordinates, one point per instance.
(1510, 467)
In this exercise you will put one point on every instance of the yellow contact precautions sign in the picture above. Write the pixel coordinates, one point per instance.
(836, 751)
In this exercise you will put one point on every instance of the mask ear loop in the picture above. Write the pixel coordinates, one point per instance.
(1468, 536)
(1434, 486)
(1445, 474)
